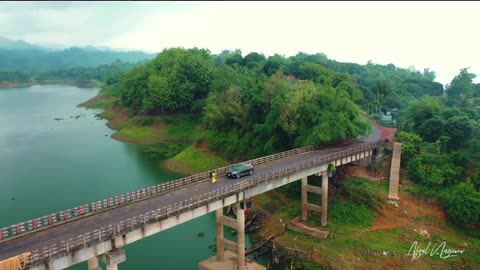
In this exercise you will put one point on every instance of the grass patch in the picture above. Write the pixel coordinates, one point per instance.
(107, 114)
(108, 97)
(137, 133)
(103, 103)
(363, 192)
(349, 213)
(194, 160)
(165, 150)
(182, 127)
(111, 90)
(389, 240)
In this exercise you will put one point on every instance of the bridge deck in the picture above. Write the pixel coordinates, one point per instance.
(48, 237)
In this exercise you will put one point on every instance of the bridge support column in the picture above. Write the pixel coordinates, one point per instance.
(113, 258)
(304, 199)
(220, 236)
(305, 205)
(394, 172)
(240, 237)
(227, 259)
(324, 198)
(93, 264)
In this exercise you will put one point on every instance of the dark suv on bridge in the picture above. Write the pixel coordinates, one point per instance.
(240, 169)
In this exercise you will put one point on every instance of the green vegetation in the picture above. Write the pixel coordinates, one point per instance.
(136, 133)
(110, 90)
(171, 82)
(350, 213)
(107, 74)
(186, 127)
(441, 148)
(250, 106)
(165, 150)
(194, 160)
(362, 192)
(357, 208)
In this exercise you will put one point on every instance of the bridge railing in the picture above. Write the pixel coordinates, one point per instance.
(119, 200)
(108, 232)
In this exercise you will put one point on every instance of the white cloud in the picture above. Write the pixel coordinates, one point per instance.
(436, 35)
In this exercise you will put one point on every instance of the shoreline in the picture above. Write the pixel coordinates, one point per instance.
(174, 138)
(79, 84)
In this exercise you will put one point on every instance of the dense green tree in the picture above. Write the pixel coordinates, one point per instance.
(133, 87)
(284, 113)
(275, 63)
(422, 110)
(459, 129)
(476, 180)
(108, 74)
(253, 60)
(173, 81)
(410, 144)
(461, 85)
(432, 129)
(234, 58)
(463, 204)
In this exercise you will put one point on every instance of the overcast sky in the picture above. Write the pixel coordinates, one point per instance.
(442, 36)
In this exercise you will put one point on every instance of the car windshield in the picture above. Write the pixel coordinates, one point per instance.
(237, 167)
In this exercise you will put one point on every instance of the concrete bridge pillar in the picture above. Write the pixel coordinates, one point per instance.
(304, 199)
(93, 264)
(113, 258)
(240, 237)
(305, 205)
(220, 236)
(395, 172)
(324, 198)
(223, 243)
(227, 259)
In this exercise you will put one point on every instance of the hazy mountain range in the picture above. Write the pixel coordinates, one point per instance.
(12, 44)
(18, 55)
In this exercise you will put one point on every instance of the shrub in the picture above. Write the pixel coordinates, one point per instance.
(373, 165)
(359, 193)
(350, 213)
(145, 121)
(463, 204)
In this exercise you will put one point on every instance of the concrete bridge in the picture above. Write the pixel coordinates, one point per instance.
(99, 229)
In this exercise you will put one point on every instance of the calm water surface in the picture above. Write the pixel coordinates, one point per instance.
(47, 165)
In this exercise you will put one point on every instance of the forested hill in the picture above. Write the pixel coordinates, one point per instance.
(36, 60)
(254, 105)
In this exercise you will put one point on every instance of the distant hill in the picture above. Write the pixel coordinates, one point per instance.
(18, 55)
(10, 44)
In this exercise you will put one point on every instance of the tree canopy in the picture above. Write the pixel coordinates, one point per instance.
(172, 81)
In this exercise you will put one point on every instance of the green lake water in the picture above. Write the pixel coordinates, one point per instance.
(47, 165)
